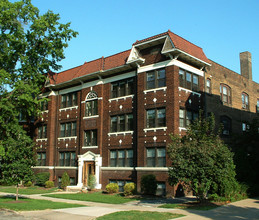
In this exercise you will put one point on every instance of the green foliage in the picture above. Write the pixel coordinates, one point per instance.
(148, 184)
(49, 184)
(28, 184)
(65, 180)
(129, 189)
(91, 181)
(41, 178)
(31, 45)
(202, 161)
(112, 188)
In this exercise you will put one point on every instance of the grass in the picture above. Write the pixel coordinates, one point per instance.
(24, 204)
(128, 215)
(94, 197)
(190, 205)
(27, 190)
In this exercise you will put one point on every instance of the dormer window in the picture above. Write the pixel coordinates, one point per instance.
(245, 101)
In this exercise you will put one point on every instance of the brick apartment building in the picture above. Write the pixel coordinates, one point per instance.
(112, 117)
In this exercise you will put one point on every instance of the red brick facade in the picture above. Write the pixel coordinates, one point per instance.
(164, 101)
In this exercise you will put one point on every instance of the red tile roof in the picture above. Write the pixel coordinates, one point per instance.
(120, 59)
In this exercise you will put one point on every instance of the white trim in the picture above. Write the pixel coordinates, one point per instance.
(67, 168)
(182, 129)
(41, 139)
(44, 167)
(88, 117)
(154, 90)
(121, 97)
(121, 132)
(154, 129)
(45, 111)
(68, 108)
(86, 147)
(188, 90)
(118, 168)
(88, 100)
(170, 63)
(65, 138)
(165, 169)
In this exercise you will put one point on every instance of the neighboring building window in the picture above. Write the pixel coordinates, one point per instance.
(42, 131)
(257, 106)
(156, 79)
(91, 105)
(245, 101)
(122, 88)
(245, 126)
(156, 118)
(67, 129)
(208, 86)
(186, 117)
(90, 138)
(44, 105)
(67, 159)
(69, 100)
(188, 80)
(226, 122)
(156, 157)
(225, 93)
(121, 158)
(41, 159)
(122, 123)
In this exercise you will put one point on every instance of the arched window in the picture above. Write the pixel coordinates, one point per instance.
(245, 101)
(225, 93)
(226, 122)
(91, 104)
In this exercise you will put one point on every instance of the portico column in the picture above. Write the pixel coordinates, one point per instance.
(80, 172)
(98, 164)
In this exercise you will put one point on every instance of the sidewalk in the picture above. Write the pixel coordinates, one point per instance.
(245, 209)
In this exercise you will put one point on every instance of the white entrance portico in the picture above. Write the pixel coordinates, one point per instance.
(89, 163)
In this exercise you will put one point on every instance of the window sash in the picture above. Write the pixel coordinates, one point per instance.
(67, 129)
(156, 157)
(120, 123)
(91, 138)
(67, 159)
(155, 118)
(121, 158)
(188, 80)
(69, 100)
(156, 79)
(122, 88)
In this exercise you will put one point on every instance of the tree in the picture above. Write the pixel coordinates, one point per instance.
(31, 45)
(201, 161)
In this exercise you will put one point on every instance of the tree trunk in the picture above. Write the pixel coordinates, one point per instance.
(16, 198)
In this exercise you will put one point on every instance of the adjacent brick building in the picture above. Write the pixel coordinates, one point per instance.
(112, 117)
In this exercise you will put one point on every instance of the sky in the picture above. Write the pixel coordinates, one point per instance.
(223, 28)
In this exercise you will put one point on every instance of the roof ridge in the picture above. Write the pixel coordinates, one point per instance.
(70, 69)
(155, 36)
(169, 31)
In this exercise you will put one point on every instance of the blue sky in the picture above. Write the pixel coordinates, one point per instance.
(223, 28)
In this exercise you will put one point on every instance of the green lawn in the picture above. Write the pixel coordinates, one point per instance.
(27, 190)
(128, 215)
(32, 204)
(94, 197)
(195, 206)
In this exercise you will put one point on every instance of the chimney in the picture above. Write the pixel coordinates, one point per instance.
(246, 64)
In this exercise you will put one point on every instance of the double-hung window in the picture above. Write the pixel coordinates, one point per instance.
(67, 159)
(245, 101)
(155, 118)
(42, 131)
(121, 158)
(121, 123)
(226, 122)
(122, 88)
(156, 157)
(67, 129)
(208, 86)
(186, 117)
(69, 100)
(257, 106)
(188, 80)
(156, 79)
(91, 108)
(41, 159)
(225, 94)
(44, 105)
(90, 138)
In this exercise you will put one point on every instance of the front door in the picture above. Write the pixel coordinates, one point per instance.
(89, 168)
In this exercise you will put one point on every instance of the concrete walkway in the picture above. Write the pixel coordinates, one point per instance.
(245, 209)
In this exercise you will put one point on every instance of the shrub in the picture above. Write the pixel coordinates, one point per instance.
(148, 184)
(49, 184)
(91, 181)
(129, 189)
(112, 188)
(28, 184)
(41, 178)
(65, 180)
